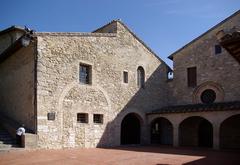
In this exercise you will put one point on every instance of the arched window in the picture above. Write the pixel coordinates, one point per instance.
(140, 77)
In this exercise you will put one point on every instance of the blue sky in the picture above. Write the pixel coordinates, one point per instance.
(164, 25)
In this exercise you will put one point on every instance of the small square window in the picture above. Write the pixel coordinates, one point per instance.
(98, 118)
(218, 49)
(125, 77)
(51, 116)
(82, 118)
(85, 74)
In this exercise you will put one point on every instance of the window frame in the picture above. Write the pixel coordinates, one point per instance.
(99, 120)
(125, 77)
(192, 76)
(86, 118)
(140, 77)
(88, 73)
(217, 49)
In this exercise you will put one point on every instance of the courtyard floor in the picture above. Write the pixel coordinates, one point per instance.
(132, 155)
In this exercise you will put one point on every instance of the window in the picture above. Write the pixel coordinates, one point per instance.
(192, 76)
(208, 96)
(170, 75)
(218, 49)
(98, 118)
(51, 116)
(84, 74)
(140, 77)
(125, 77)
(82, 118)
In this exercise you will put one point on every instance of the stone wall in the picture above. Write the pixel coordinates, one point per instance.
(108, 54)
(17, 87)
(220, 72)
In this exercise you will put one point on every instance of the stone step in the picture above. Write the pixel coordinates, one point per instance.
(2, 134)
(5, 138)
(5, 146)
(8, 142)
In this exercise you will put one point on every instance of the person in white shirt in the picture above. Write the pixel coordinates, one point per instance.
(20, 131)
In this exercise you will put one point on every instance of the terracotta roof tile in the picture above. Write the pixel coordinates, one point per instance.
(221, 106)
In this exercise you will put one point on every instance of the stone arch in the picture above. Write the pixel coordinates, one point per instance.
(209, 85)
(161, 131)
(230, 132)
(196, 131)
(131, 129)
(68, 107)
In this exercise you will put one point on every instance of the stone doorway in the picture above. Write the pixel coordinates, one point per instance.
(130, 129)
(196, 131)
(230, 133)
(161, 131)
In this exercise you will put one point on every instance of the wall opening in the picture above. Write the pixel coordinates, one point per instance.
(130, 129)
(230, 133)
(161, 131)
(205, 134)
(140, 77)
(196, 132)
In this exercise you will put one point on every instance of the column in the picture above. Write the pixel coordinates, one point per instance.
(175, 135)
(216, 135)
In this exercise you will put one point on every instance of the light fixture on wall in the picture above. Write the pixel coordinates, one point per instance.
(25, 41)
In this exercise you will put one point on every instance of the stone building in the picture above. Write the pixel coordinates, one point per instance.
(204, 95)
(108, 88)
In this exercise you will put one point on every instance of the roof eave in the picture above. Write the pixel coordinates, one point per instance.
(12, 28)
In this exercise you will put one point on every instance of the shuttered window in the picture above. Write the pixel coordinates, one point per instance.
(192, 76)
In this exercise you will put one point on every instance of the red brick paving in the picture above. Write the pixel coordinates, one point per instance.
(144, 155)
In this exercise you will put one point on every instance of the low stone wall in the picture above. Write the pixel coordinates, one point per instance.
(29, 140)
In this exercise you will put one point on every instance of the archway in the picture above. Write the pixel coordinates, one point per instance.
(196, 131)
(161, 131)
(130, 129)
(230, 133)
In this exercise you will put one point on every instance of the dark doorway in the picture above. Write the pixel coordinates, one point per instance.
(130, 129)
(205, 134)
(196, 131)
(161, 132)
(230, 133)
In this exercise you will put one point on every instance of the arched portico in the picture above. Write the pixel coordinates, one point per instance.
(196, 131)
(161, 131)
(131, 129)
(230, 133)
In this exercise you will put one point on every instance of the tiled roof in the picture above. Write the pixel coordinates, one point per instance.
(221, 106)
